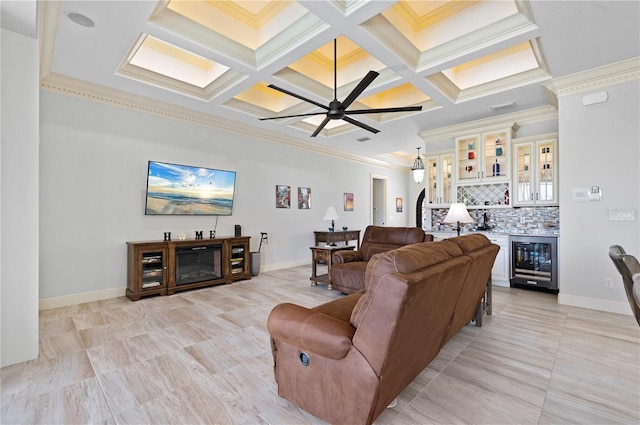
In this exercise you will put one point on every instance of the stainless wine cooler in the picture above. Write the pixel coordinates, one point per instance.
(534, 262)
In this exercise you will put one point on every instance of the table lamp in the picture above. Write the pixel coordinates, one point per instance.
(331, 215)
(458, 214)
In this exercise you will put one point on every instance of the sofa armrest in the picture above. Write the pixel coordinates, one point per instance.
(310, 330)
(339, 257)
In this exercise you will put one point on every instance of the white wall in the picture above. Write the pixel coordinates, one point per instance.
(599, 145)
(93, 176)
(19, 198)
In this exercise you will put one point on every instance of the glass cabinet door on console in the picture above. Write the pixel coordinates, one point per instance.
(440, 179)
(535, 173)
(146, 270)
(238, 258)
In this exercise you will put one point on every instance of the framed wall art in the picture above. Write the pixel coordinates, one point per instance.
(398, 204)
(304, 198)
(283, 196)
(348, 201)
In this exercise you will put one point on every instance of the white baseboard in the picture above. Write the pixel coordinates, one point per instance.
(595, 304)
(285, 265)
(84, 297)
(104, 294)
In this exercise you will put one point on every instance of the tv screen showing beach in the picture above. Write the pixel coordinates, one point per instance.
(174, 189)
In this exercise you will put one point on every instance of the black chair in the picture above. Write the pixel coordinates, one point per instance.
(628, 266)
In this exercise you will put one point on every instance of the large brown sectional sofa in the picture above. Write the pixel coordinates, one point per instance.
(348, 267)
(346, 360)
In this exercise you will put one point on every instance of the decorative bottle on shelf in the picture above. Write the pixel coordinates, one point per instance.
(496, 169)
(506, 197)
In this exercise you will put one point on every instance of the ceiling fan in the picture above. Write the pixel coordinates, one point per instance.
(338, 110)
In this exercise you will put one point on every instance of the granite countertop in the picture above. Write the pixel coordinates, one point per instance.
(502, 232)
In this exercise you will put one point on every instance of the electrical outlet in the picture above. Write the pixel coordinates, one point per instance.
(608, 282)
(523, 219)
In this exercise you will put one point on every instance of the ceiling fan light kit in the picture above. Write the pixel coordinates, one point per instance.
(338, 110)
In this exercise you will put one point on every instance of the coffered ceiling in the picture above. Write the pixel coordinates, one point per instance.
(212, 61)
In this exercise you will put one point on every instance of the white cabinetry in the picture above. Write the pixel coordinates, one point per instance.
(440, 179)
(535, 171)
(500, 270)
(483, 157)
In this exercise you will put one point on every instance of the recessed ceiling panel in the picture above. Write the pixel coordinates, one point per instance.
(250, 23)
(317, 68)
(402, 95)
(266, 98)
(508, 68)
(171, 61)
(254, 32)
(507, 62)
(427, 33)
(156, 62)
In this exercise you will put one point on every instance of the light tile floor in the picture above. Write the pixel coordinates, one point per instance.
(204, 357)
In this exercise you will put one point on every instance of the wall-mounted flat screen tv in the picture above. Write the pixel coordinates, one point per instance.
(174, 189)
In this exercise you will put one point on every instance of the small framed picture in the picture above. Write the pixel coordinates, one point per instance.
(348, 201)
(283, 196)
(304, 198)
(398, 204)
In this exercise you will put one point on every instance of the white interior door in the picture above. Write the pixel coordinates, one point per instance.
(378, 200)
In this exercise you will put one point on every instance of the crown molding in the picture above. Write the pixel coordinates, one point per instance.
(536, 138)
(96, 93)
(596, 78)
(529, 116)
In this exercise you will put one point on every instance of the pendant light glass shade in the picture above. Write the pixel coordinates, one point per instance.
(418, 168)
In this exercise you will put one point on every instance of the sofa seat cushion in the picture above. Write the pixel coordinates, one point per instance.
(340, 308)
(349, 277)
(405, 260)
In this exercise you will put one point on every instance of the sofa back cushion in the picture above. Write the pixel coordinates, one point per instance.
(405, 312)
(405, 260)
(378, 239)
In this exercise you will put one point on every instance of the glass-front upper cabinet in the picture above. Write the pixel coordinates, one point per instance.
(535, 171)
(440, 179)
(483, 157)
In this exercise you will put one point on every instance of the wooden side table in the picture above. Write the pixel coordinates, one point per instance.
(323, 254)
(339, 236)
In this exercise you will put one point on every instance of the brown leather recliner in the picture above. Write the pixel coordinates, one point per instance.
(348, 267)
(346, 360)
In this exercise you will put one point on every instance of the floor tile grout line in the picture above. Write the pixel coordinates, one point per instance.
(555, 359)
(95, 373)
(482, 328)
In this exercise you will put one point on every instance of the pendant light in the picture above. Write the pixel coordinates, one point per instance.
(418, 168)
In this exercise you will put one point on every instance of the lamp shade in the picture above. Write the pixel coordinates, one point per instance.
(331, 214)
(458, 214)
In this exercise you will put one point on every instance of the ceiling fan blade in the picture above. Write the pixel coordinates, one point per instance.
(361, 125)
(298, 96)
(363, 84)
(320, 127)
(383, 110)
(292, 116)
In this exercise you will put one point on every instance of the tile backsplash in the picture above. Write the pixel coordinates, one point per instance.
(533, 221)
